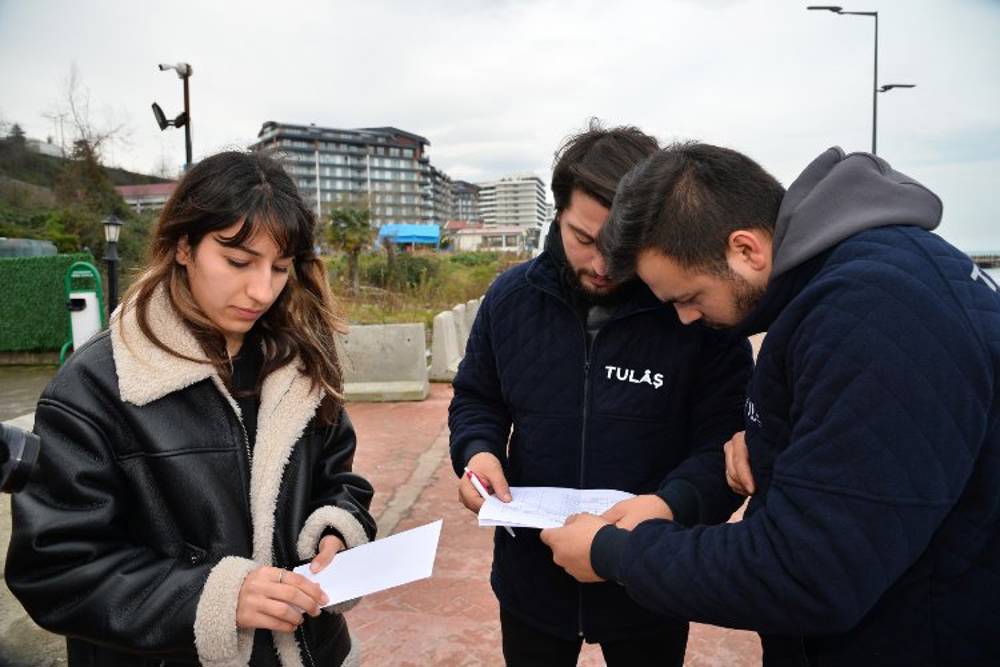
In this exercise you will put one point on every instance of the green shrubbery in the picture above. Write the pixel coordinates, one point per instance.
(33, 315)
(418, 286)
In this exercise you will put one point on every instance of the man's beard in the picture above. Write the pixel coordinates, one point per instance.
(745, 298)
(614, 293)
(573, 278)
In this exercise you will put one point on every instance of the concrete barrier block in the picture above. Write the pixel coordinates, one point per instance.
(471, 310)
(461, 329)
(385, 362)
(445, 354)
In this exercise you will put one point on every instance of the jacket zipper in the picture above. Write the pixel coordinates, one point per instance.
(246, 445)
(588, 347)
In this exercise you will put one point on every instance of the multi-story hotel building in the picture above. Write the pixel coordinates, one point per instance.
(384, 167)
(466, 201)
(441, 202)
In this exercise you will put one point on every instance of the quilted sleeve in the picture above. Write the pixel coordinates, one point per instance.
(478, 417)
(696, 490)
(891, 396)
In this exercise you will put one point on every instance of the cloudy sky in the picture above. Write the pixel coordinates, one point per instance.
(497, 85)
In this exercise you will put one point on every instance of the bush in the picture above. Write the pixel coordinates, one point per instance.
(474, 258)
(33, 315)
(422, 284)
(409, 270)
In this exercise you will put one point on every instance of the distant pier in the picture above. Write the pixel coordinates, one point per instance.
(986, 260)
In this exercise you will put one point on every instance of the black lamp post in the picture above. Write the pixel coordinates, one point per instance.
(183, 119)
(112, 228)
(875, 87)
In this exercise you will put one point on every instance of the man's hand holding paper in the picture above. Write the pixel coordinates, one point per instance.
(571, 545)
(546, 506)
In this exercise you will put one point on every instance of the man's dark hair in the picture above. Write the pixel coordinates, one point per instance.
(684, 201)
(595, 160)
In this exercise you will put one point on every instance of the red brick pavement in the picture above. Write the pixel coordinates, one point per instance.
(451, 619)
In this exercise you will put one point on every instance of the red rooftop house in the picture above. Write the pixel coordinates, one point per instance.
(150, 197)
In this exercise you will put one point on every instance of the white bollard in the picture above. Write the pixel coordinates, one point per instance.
(471, 310)
(461, 329)
(444, 348)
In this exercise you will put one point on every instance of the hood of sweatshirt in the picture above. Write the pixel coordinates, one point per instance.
(839, 195)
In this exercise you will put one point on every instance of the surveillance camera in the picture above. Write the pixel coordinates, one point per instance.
(161, 118)
(164, 68)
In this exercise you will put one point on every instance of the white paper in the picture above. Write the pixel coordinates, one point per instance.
(376, 566)
(546, 506)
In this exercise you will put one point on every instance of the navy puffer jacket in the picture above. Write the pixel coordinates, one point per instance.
(648, 411)
(873, 424)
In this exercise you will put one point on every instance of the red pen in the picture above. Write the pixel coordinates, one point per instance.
(480, 488)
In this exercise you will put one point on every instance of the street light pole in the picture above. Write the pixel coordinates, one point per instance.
(187, 113)
(874, 15)
(874, 87)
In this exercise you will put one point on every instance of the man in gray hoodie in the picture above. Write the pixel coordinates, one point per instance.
(872, 419)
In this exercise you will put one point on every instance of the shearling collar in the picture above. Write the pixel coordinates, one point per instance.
(287, 402)
(145, 371)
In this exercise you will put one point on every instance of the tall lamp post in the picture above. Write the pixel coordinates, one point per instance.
(112, 228)
(183, 119)
(875, 87)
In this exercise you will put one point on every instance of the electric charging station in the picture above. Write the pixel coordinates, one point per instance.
(85, 305)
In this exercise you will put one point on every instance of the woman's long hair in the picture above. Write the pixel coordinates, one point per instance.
(218, 192)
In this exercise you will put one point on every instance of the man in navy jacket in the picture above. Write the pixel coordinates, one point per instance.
(872, 422)
(570, 379)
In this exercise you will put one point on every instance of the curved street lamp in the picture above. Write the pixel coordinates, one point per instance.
(875, 87)
(889, 86)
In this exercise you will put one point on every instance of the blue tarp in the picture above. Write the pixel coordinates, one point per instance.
(403, 233)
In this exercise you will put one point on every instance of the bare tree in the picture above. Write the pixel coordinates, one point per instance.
(163, 167)
(73, 108)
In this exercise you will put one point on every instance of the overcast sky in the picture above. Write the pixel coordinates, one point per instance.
(497, 85)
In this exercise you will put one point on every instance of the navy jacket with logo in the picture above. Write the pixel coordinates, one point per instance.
(647, 412)
(873, 425)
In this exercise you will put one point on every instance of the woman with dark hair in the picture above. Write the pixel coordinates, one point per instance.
(199, 449)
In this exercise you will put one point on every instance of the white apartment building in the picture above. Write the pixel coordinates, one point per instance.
(513, 200)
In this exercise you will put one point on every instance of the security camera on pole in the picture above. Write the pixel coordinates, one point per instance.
(184, 72)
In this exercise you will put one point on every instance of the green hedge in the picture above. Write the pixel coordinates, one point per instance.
(33, 315)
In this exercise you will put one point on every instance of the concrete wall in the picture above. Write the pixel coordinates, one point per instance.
(385, 362)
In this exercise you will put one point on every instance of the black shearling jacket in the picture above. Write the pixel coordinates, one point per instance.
(148, 508)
